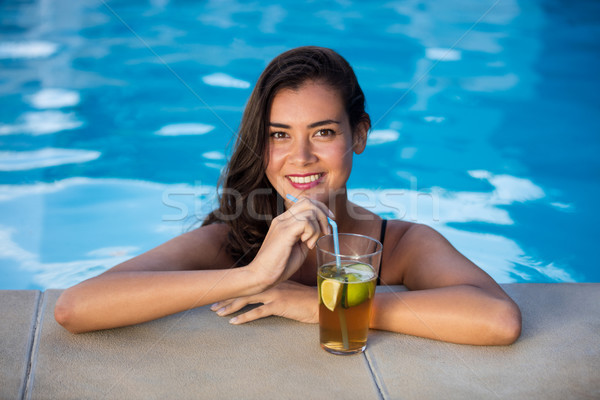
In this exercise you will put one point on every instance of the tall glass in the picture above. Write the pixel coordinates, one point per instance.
(346, 282)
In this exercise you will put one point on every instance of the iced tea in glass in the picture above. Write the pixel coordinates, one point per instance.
(346, 283)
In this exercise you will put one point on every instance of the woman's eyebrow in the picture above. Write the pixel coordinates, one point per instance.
(324, 122)
(313, 125)
(278, 125)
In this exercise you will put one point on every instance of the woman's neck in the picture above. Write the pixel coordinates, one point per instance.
(352, 218)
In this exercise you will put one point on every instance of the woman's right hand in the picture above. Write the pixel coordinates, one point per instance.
(290, 236)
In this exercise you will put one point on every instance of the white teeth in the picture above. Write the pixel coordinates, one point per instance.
(304, 179)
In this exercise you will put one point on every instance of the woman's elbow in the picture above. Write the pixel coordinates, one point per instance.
(65, 313)
(508, 323)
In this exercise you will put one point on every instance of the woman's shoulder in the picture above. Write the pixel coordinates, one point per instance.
(397, 228)
(403, 241)
(402, 233)
(216, 231)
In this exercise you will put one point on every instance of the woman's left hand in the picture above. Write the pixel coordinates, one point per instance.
(288, 299)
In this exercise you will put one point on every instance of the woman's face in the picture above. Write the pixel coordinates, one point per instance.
(310, 142)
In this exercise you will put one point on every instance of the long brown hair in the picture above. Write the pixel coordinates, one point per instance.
(248, 202)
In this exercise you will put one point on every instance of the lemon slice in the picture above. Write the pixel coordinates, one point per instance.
(330, 293)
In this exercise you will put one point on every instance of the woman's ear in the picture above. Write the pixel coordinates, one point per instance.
(360, 136)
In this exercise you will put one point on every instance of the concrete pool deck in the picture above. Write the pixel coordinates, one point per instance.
(196, 354)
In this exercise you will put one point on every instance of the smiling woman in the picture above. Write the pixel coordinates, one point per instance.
(304, 122)
(311, 143)
(272, 104)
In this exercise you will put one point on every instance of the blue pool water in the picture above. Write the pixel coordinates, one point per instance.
(116, 118)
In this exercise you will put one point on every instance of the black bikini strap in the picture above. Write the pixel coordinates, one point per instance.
(381, 239)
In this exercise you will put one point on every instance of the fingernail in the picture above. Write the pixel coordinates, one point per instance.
(233, 320)
(331, 214)
(221, 311)
(214, 306)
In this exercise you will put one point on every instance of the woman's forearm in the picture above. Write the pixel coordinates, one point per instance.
(124, 298)
(459, 314)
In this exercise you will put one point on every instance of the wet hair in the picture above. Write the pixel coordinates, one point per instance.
(248, 202)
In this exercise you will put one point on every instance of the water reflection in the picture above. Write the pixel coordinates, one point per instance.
(54, 98)
(44, 158)
(42, 123)
(33, 49)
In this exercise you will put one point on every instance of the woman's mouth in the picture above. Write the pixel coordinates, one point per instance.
(305, 181)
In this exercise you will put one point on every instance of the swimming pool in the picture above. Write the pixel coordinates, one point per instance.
(116, 118)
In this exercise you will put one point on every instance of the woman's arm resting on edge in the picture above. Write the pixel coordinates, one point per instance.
(450, 298)
(187, 272)
(157, 283)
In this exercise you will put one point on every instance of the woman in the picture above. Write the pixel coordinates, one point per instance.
(304, 121)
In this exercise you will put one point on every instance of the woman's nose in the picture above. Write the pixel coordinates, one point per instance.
(302, 153)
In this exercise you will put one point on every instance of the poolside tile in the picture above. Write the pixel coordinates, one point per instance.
(18, 310)
(194, 354)
(556, 357)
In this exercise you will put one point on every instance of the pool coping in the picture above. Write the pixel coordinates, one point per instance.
(557, 356)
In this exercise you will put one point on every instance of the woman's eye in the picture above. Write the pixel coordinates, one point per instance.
(325, 132)
(278, 135)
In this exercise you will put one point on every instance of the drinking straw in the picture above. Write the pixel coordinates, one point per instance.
(336, 246)
(343, 323)
(336, 243)
(334, 228)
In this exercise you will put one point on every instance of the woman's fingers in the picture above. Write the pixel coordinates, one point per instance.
(288, 299)
(220, 304)
(325, 213)
(286, 244)
(311, 230)
(321, 212)
(306, 220)
(227, 307)
(314, 224)
(230, 306)
(252, 315)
